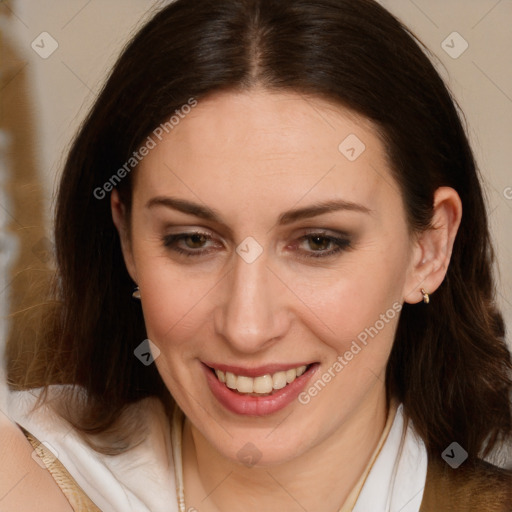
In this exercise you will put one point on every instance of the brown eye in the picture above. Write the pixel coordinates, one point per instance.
(319, 243)
(190, 244)
(195, 241)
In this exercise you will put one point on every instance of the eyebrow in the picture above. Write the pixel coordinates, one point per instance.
(204, 212)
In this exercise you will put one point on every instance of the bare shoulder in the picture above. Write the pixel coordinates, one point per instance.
(24, 484)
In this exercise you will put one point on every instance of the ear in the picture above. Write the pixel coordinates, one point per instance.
(119, 217)
(433, 247)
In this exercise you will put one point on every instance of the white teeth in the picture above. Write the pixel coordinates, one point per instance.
(261, 385)
(291, 375)
(230, 380)
(279, 380)
(244, 384)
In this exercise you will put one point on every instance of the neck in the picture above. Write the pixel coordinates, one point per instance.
(327, 471)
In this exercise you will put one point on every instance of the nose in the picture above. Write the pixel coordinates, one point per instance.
(252, 314)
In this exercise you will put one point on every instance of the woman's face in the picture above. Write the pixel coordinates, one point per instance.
(267, 235)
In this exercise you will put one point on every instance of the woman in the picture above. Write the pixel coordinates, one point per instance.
(274, 278)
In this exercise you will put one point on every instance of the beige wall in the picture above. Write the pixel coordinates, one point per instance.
(481, 80)
(45, 99)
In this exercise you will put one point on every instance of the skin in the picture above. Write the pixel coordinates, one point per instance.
(24, 484)
(251, 156)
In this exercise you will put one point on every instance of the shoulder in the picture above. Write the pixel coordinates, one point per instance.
(24, 484)
(117, 469)
(474, 486)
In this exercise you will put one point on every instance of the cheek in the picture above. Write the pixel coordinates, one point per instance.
(362, 296)
(174, 298)
(174, 305)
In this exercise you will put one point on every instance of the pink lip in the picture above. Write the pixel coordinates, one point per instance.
(257, 371)
(256, 405)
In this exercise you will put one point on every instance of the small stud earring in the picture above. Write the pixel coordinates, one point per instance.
(426, 297)
(136, 293)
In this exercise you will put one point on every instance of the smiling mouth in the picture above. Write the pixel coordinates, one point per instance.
(264, 385)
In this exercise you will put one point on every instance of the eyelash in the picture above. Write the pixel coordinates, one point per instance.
(341, 244)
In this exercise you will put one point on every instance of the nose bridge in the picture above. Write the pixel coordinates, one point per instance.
(250, 315)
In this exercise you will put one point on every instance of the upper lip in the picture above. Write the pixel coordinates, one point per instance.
(257, 370)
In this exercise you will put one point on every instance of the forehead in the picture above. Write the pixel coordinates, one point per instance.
(259, 150)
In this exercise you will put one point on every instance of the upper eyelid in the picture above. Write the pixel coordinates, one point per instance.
(323, 233)
(327, 232)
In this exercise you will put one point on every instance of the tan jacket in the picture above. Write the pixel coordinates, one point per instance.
(477, 487)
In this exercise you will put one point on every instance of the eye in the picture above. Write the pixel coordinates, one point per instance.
(321, 245)
(192, 244)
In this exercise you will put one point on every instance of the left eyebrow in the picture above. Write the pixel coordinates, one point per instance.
(320, 209)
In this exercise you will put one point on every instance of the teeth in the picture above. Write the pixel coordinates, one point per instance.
(264, 384)
(230, 380)
(291, 375)
(244, 384)
(279, 380)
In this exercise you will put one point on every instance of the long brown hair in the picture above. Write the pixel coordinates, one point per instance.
(449, 365)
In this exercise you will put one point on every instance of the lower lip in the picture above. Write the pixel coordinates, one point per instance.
(257, 405)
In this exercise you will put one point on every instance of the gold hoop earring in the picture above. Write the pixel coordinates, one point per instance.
(136, 293)
(426, 296)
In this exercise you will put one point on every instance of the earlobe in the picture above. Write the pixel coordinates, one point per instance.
(120, 221)
(433, 247)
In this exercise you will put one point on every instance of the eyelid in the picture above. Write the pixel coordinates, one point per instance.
(335, 233)
(186, 234)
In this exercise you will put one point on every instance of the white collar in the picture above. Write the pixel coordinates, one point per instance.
(143, 479)
(140, 480)
(397, 478)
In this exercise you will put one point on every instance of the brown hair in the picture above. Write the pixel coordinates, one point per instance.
(449, 364)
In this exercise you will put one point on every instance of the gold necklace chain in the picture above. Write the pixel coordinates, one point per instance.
(178, 421)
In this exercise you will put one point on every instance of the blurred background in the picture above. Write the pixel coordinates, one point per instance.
(54, 58)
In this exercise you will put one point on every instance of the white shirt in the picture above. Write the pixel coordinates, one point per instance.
(143, 479)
